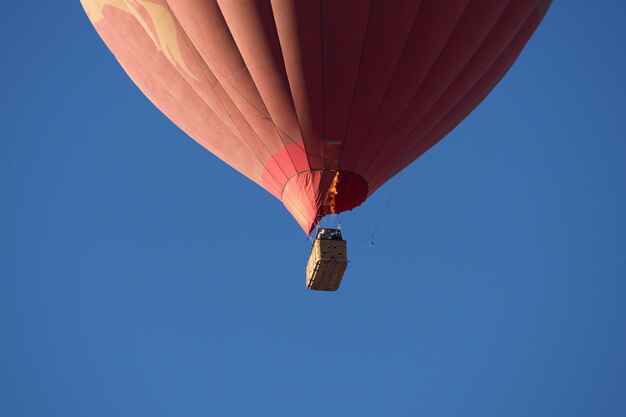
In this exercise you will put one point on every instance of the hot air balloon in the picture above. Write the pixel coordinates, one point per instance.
(320, 102)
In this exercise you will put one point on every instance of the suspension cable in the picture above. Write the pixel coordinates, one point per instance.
(370, 239)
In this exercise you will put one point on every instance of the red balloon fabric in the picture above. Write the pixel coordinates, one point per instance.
(320, 102)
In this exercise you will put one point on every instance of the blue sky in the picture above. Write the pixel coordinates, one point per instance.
(141, 276)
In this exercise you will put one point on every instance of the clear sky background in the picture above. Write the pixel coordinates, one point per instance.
(141, 276)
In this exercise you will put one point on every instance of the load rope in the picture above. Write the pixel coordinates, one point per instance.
(370, 239)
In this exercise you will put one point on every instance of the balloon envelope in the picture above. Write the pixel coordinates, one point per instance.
(320, 102)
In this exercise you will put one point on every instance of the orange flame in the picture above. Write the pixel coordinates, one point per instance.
(331, 195)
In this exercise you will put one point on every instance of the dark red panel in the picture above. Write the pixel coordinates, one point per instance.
(299, 30)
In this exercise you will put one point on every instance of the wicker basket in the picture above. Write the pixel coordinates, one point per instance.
(327, 263)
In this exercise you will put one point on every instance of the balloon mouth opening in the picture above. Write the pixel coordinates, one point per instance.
(311, 195)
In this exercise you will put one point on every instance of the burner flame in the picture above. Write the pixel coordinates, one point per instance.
(329, 204)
